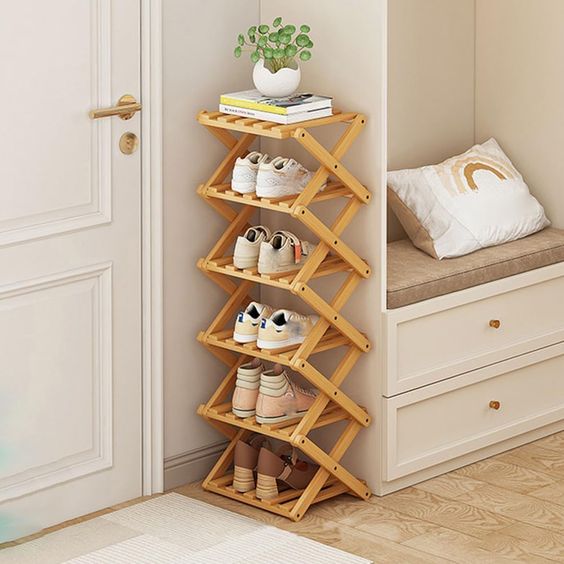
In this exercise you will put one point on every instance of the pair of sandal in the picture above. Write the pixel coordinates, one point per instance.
(274, 470)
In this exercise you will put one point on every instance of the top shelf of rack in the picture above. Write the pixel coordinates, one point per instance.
(268, 128)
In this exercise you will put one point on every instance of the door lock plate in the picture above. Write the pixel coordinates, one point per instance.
(128, 143)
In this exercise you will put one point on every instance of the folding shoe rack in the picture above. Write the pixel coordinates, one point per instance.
(332, 331)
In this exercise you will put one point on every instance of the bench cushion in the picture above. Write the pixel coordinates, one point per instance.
(414, 276)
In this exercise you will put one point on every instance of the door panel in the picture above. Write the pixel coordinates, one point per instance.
(70, 266)
(40, 322)
(58, 57)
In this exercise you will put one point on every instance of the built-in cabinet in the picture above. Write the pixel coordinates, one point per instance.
(479, 371)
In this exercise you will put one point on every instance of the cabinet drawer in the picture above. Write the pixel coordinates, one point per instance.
(433, 347)
(452, 418)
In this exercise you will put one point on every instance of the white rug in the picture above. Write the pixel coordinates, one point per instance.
(174, 529)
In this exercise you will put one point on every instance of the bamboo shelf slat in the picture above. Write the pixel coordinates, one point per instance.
(333, 331)
(333, 191)
(281, 431)
(284, 281)
(267, 128)
(283, 504)
(224, 339)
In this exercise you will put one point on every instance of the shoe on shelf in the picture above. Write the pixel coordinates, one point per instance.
(244, 401)
(283, 252)
(281, 399)
(247, 247)
(284, 467)
(245, 460)
(248, 322)
(244, 177)
(284, 328)
(281, 177)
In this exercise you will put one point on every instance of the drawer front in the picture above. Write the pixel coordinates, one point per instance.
(440, 422)
(447, 343)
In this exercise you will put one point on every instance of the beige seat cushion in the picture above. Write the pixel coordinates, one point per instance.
(414, 276)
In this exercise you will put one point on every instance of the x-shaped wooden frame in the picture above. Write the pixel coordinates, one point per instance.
(330, 162)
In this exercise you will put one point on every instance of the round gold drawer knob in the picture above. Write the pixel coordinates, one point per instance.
(495, 323)
(494, 404)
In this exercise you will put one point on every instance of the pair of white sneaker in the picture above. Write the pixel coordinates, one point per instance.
(272, 329)
(280, 251)
(269, 177)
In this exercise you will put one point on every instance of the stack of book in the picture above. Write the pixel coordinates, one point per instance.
(292, 109)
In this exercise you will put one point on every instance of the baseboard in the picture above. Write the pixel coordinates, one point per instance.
(192, 465)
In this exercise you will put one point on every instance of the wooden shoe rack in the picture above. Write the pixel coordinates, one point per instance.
(332, 331)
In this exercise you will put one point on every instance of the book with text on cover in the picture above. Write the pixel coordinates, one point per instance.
(295, 104)
(276, 118)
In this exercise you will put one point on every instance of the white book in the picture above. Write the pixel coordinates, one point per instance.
(276, 118)
(295, 104)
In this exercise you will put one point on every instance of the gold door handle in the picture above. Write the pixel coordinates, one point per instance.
(494, 404)
(495, 323)
(125, 109)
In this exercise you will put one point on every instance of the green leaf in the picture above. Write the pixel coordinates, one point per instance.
(310, 44)
(285, 38)
(290, 50)
(279, 53)
(268, 53)
(302, 40)
(305, 55)
(273, 37)
(305, 28)
(290, 29)
(237, 51)
(277, 22)
(255, 56)
(263, 28)
(252, 30)
(241, 39)
(262, 41)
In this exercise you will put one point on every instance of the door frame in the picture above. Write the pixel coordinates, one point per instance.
(152, 248)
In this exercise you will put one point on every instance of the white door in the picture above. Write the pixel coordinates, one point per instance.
(70, 272)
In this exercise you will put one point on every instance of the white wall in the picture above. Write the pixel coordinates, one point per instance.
(520, 90)
(198, 43)
(347, 62)
(199, 37)
(430, 83)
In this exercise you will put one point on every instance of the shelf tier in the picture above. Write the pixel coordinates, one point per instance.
(283, 204)
(224, 339)
(281, 431)
(282, 504)
(284, 280)
(267, 128)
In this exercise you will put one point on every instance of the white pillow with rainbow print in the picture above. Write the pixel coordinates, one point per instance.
(466, 203)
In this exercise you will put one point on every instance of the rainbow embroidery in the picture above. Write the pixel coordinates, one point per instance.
(458, 175)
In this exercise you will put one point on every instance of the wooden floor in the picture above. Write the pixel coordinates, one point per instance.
(509, 508)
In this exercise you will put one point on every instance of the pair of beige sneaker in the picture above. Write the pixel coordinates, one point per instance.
(271, 253)
(272, 469)
(272, 329)
(270, 395)
(269, 177)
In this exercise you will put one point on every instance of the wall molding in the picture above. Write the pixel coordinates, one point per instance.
(152, 246)
(192, 465)
(98, 210)
(99, 457)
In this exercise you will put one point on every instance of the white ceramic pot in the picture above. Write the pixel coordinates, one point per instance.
(276, 84)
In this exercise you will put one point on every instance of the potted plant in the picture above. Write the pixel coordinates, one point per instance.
(275, 50)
